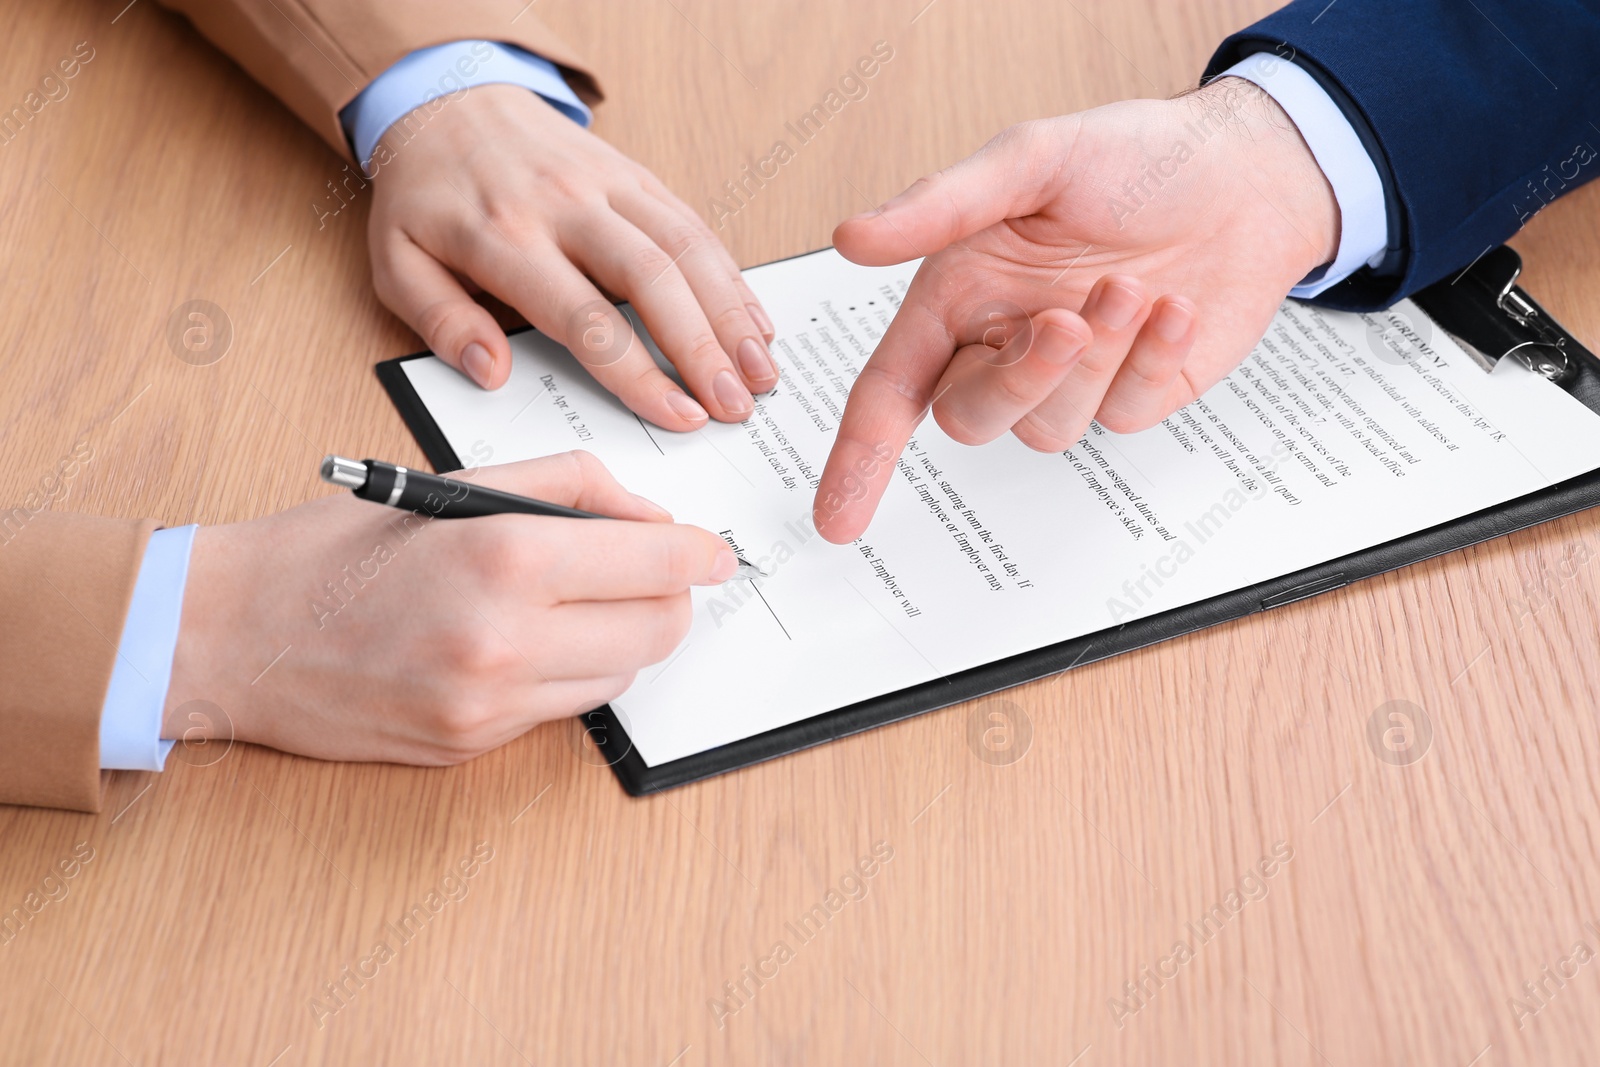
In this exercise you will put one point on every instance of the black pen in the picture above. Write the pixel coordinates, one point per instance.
(447, 498)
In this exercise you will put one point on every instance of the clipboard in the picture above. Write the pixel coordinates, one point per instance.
(1482, 309)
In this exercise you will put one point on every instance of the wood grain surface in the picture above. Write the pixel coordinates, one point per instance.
(1030, 873)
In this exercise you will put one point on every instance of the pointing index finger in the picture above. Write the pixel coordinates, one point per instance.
(888, 400)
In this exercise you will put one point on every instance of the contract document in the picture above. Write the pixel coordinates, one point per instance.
(1337, 433)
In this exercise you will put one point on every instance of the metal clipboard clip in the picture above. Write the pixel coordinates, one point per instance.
(1491, 318)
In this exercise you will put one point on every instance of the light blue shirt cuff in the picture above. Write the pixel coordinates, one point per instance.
(1363, 221)
(442, 71)
(130, 720)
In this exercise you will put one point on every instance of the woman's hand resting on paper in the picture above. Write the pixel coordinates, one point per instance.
(501, 192)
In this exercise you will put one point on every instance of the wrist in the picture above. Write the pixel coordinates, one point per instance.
(203, 656)
(421, 84)
(1279, 165)
(471, 123)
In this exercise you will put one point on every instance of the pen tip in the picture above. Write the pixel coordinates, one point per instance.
(748, 569)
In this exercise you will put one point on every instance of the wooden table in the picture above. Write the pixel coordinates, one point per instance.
(1026, 884)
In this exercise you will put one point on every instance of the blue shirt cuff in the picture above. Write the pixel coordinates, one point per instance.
(1357, 186)
(130, 720)
(442, 71)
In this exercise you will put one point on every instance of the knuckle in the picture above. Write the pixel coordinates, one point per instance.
(1009, 137)
(1119, 420)
(1029, 133)
(660, 646)
(682, 558)
(1120, 416)
(731, 321)
(702, 351)
(955, 426)
(1012, 143)
(1014, 388)
(575, 184)
(578, 467)
(668, 625)
(474, 651)
(608, 689)
(495, 558)
(1037, 144)
(643, 374)
(444, 319)
(1040, 436)
(1115, 421)
(385, 278)
(707, 348)
(681, 236)
(459, 729)
(677, 614)
(1042, 442)
(876, 378)
(514, 222)
(648, 263)
(620, 684)
(587, 471)
(1139, 378)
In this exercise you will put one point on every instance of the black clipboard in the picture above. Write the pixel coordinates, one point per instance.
(1482, 309)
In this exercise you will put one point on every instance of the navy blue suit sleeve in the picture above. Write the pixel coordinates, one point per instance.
(1476, 112)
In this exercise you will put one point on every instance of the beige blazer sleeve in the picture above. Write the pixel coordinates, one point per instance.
(316, 55)
(65, 585)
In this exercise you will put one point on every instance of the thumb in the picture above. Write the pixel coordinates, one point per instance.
(459, 330)
(1011, 176)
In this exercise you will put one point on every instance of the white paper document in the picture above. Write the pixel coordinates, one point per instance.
(1339, 432)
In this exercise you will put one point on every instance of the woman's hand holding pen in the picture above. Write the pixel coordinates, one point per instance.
(501, 192)
(1108, 265)
(342, 629)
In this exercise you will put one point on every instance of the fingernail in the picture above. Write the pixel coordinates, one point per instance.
(652, 507)
(758, 315)
(725, 566)
(683, 406)
(1061, 347)
(755, 362)
(1172, 322)
(730, 394)
(1117, 306)
(478, 363)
